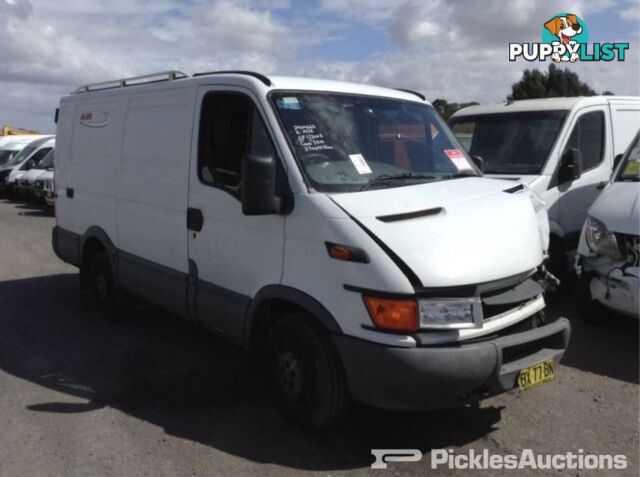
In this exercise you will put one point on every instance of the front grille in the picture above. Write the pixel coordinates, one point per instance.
(631, 246)
(498, 302)
(514, 353)
(23, 182)
(38, 184)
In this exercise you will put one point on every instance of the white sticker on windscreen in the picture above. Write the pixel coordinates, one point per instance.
(360, 164)
(458, 159)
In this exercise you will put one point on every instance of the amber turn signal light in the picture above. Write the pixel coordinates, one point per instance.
(345, 253)
(393, 314)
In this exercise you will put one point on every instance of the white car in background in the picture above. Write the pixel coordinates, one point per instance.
(609, 249)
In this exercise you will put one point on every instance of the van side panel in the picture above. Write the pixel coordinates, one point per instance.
(152, 196)
(87, 164)
(625, 119)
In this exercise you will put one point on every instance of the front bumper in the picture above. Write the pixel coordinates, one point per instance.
(437, 377)
(623, 287)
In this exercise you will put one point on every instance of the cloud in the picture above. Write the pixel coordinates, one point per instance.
(456, 50)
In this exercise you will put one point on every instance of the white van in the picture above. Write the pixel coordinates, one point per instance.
(17, 179)
(608, 261)
(565, 149)
(11, 145)
(335, 230)
(10, 169)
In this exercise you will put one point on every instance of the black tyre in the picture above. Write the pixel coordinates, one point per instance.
(589, 310)
(112, 302)
(305, 373)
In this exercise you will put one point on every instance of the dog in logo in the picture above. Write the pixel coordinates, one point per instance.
(565, 28)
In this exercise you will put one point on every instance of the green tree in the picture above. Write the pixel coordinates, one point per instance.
(447, 109)
(555, 82)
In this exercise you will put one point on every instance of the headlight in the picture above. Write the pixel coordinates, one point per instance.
(601, 241)
(454, 313)
(409, 315)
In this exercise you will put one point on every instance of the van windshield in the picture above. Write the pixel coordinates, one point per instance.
(6, 155)
(348, 143)
(21, 156)
(510, 143)
(630, 169)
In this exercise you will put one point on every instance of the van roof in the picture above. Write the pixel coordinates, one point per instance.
(543, 104)
(258, 81)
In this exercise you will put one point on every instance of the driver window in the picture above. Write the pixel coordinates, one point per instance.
(230, 127)
(588, 137)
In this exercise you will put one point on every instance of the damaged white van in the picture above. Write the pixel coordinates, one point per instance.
(565, 149)
(335, 230)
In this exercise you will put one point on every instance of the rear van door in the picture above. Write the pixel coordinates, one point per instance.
(231, 255)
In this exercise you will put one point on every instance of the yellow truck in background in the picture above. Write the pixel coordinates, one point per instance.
(8, 130)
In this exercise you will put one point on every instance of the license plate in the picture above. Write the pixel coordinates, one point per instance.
(537, 374)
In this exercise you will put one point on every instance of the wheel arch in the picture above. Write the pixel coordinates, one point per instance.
(94, 241)
(274, 301)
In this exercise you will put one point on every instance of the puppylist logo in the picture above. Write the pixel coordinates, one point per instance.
(565, 37)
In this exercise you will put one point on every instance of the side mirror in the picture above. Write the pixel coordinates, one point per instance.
(570, 166)
(616, 161)
(479, 162)
(258, 185)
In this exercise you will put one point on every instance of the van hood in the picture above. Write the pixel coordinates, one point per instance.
(618, 208)
(32, 174)
(456, 232)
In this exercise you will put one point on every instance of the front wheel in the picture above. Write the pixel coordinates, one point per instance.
(305, 373)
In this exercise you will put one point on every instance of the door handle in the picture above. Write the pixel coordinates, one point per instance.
(601, 185)
(195, 219)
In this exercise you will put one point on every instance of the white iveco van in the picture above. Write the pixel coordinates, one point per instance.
(335, 230)
(565, 149)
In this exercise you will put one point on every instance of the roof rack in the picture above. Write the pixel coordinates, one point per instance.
(265, 80)
(410, 91)
(133, 81)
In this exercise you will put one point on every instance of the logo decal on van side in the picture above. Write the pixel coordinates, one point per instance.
(95, 120)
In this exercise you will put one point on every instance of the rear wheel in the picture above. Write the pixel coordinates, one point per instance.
(305, 373)
(112, 303)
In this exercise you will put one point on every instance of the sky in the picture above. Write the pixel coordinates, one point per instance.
(453, 50)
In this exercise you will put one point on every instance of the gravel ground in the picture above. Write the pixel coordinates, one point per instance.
(156, 396)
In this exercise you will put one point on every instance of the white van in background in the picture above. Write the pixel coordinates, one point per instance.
(565, 149)
(277, 213)
(15, 180)
(17, 160)
(11, 145)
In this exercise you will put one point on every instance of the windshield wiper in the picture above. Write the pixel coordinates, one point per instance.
(395, 177)
(460, 174)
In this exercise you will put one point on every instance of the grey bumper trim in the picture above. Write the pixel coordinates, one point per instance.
(439, 377)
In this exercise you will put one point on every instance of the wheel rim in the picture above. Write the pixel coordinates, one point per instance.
(102, 288)
(290, 374)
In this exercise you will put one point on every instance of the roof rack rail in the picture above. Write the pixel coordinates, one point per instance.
(133, 81)
(265, 80)
(410, 91)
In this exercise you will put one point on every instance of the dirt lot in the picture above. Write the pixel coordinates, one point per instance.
(156, 396)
